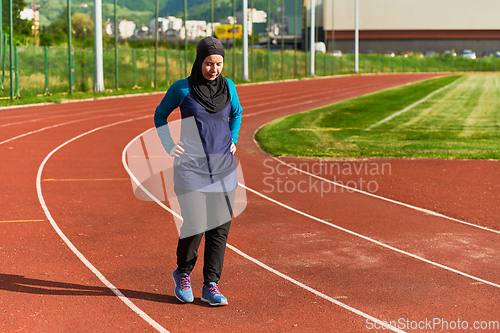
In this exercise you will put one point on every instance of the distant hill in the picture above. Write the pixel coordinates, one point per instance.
(142, 11)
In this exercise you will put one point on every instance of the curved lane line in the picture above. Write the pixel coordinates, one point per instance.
(423, 210)
(80, 256)
(370, 239)
(246, 256)
(58, 125)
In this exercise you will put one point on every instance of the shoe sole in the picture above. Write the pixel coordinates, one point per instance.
(213, 304)
(183, 301)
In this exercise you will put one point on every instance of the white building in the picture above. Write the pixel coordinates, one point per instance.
(125, 29)
(422, 25)
(172, 26)
(27, 14)
(254, 15)
(169, 25)
(198, 29)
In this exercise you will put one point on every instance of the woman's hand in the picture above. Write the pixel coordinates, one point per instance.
(178, 151)
(233, 148)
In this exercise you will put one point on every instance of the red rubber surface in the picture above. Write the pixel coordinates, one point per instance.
(44, 287)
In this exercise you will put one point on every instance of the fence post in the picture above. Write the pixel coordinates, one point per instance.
(150, 69)
(70, 51)
(46, 58)
(17, 72)
(134, 66)
(167, 70)
(4, 54)
(180, 63)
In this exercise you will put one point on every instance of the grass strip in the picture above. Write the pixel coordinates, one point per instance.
(460, 122)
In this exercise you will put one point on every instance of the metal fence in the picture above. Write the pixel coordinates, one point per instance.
(42, 70)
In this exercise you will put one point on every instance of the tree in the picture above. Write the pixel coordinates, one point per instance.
(82, 26)
(17, 8)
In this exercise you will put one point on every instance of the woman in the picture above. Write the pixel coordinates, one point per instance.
(204, 169)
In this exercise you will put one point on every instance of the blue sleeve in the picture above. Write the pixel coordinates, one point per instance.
(173, 99)
(236, 111)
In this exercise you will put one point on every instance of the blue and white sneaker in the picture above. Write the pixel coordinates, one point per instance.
(183, 290)
(211, 294)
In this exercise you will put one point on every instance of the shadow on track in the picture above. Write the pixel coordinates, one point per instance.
(21, 284)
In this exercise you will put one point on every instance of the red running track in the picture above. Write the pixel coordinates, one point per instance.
(353, 257)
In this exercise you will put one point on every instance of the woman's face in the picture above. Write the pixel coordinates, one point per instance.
(212, 66)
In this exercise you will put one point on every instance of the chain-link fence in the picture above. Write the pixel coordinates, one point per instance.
(41, 70)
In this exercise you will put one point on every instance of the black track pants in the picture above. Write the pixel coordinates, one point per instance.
(206, 214)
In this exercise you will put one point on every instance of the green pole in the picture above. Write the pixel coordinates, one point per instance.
(212, 16)
(11, 51)
(116, 47)
(282, 38)
(268, 39)
(134, 65)
(17, 73)
(166, 67)
(150, 69)
(4, 55)
(185, 39)
(180, 65)
(156, 44)
(234, 41)
(2, 49)
(70, 51)
(46, 57)
(296, 23)
(306, 35)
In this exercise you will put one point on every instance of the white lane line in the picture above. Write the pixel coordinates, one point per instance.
(314, 291)
(61, 124)
(369, 239)
(58, 115)
(413, 105)
(80, 256)
(246, 256)
(423, 210)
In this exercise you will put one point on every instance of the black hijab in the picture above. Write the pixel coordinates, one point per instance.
(213, 95)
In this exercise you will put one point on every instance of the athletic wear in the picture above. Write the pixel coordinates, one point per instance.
(205, 177)
(183, 290)
(207, 164)
(211, 294)
(213, 95)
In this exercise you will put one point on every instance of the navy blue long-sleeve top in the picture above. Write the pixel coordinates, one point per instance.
(207, 164)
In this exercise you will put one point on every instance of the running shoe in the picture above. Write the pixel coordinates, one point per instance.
(183, 290)
(211, 294)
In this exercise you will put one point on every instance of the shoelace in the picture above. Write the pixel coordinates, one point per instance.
(185, 282)
(214, 290)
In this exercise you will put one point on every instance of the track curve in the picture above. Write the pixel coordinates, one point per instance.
(45, 288)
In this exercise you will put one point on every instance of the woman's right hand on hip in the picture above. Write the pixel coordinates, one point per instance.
(178, 151)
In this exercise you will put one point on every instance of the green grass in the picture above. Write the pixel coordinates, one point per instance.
(462, 121)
